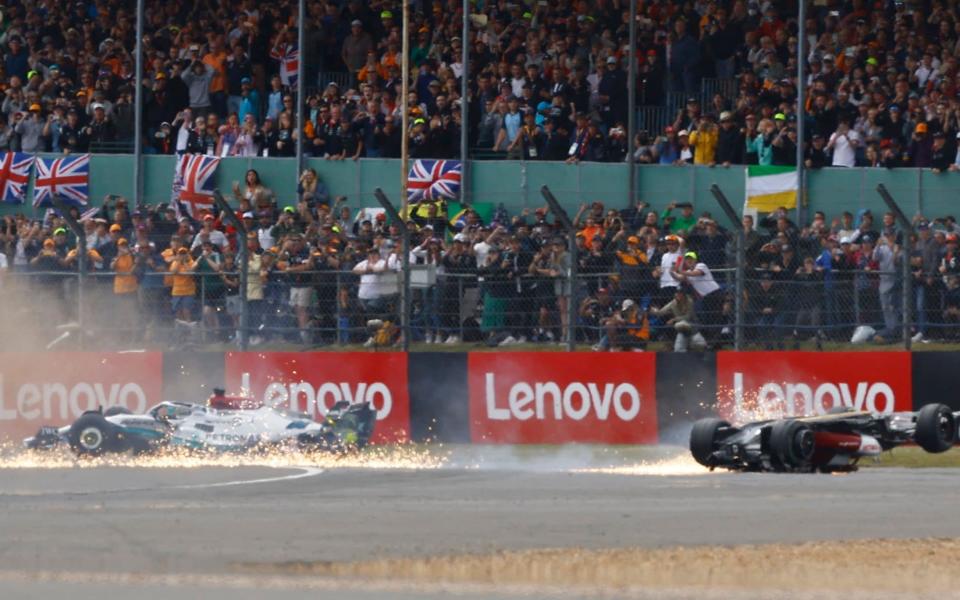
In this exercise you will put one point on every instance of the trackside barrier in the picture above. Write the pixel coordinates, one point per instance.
(486, 397)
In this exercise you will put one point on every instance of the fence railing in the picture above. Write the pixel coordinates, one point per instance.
(780, 309)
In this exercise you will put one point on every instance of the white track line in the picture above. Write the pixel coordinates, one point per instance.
(306, 472)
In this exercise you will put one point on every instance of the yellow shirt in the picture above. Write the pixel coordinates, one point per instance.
(704, 146)
(184, 283)
(124, 282)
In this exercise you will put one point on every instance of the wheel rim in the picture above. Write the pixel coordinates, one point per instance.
(91, 438)
(803, 444)
(945, 428)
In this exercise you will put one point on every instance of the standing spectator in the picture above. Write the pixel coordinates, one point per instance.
(355, 47)
(125, 290)
(298, 262)
(704, 142)
(730, 142)
(184, 286)
(198, 77)
(844, 143)
(30, 130)
(698, 275)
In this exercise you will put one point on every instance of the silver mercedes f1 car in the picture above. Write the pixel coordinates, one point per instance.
(223, 424)
(828, 443)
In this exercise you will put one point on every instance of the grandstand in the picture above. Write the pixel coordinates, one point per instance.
(706, 85)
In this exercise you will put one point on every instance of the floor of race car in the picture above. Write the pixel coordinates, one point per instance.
(237, 529)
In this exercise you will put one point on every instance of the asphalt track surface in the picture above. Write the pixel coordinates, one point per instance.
(170, 532)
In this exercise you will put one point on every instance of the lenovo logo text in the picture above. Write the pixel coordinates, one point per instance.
(801, 399)
(575, 401)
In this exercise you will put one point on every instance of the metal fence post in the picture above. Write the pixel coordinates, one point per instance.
(338, 330)
(740, 267)
(571, 275)
(405, 303)
(244, 255)
(905, 248)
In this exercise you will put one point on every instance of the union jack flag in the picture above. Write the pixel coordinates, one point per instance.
(193, 182)
(433, 180)
(289, 57)
(67, 177)
(14, 173)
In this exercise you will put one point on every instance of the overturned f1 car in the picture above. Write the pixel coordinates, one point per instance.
(224, 424)
(832, 442)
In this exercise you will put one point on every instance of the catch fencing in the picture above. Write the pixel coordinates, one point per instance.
(526, 308)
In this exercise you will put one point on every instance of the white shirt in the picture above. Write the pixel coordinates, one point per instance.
(371, 284)
(668, 262)
(216, 236)
(482, 249)
(844, 149)
(266, 240)
(704, 284)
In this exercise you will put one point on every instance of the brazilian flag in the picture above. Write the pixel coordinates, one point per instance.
(457, 212)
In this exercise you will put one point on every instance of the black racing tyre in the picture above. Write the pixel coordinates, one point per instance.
(92, 435)
(936, 428)
(703, 440)
(117, 410)
(792, 444)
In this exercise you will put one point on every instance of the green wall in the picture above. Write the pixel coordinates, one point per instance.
(517, 184)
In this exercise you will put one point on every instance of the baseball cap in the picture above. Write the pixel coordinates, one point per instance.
(460, 237)
(356, 23)
(921, 128)
(34, 107)
(780, 117)
(691, 254)
(208, 217)
(726, 115)
(115, 227)
(673, 238)
(386, 14)
(683, 132)
(628, 304)
(612, 60)
(633, 240)
(59, 230)
(288, 209)
(122, 242)
(245, 80)
(48, 243)
(248, 215)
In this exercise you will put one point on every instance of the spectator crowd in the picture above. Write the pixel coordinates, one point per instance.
(321, 273)
(547, 80)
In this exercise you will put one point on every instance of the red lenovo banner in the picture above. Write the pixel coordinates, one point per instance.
(769, 385)
(314, 382)
(556, 398)
(55, 388)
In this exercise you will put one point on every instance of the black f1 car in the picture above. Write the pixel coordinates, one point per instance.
(828, 443)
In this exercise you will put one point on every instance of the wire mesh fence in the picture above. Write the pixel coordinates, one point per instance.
(515, 292)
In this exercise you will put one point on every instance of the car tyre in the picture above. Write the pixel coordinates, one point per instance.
(792, 444)
(92, 435)
(117, 410)
(704, 437)
(936, 428)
